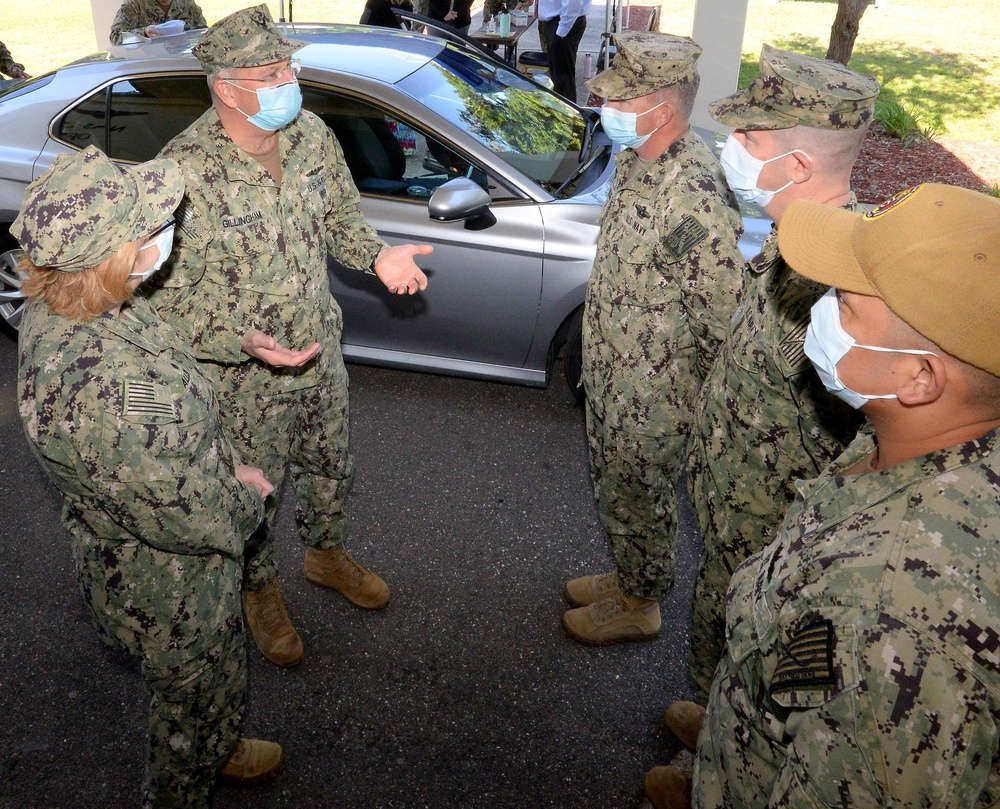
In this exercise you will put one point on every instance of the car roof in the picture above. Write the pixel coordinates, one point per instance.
(382, 54)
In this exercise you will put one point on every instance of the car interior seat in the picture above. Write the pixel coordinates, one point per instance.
(373, 154)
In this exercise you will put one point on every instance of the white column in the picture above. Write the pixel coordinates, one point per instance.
(718, 28)
(104, 14)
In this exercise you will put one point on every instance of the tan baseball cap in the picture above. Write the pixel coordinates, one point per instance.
(796, 90)
(931, 253)
(246, 38)
(85, 208)
(645, 63)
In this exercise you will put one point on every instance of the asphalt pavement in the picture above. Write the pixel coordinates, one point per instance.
(473, 500)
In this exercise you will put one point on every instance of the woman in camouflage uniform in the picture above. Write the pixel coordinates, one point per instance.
(126, 427)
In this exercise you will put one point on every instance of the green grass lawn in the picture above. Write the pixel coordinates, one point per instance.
(938, 58)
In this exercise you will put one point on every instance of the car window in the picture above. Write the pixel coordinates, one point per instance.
(132, 120)
(529, 127)
(389, 155)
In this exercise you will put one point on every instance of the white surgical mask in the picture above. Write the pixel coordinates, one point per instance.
(620, 126)
(827, 344)
(163, 242)
(743, 173)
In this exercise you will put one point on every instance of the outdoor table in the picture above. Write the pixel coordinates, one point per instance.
(494, 40)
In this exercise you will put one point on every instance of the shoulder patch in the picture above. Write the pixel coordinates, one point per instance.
(793, 347)
(685, 236)
(807, 661)
(143, 398)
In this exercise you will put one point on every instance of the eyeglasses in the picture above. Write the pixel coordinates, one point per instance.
(165, 226)
(294, 65)
(168, 224)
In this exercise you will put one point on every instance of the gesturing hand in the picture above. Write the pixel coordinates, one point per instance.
(266, 349)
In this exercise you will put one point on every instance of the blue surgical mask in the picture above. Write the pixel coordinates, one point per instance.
(620, 126)
(827, 344)
(743, 173)
(278, 106)
(164, 242)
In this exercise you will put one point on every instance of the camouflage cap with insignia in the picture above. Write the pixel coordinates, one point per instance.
(796, 90)
(645, 63)
(246, 38)
(85, 208)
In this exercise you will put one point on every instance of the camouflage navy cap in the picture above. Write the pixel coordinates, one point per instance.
(85, 208)
(246, 38)
(931, 253)
(645, 63)
(796, 90)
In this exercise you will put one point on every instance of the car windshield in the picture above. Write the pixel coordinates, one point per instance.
(512, 116)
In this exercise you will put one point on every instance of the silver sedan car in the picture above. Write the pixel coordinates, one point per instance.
(447, 145)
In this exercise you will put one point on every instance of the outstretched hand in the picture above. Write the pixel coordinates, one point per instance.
(396, 269)
(266, 349)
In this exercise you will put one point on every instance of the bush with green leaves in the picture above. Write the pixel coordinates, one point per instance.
(901, 123)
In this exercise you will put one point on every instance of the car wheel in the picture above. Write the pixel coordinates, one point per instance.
(11, 298)
(573, 355)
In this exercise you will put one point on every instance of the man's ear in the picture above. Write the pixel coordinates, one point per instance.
(924, 381)
(225, 92)
(802, 169)
(664, 114)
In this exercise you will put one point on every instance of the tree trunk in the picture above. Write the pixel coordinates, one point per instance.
(845, 29)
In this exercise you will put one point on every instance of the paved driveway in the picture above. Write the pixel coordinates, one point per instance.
(473, 500)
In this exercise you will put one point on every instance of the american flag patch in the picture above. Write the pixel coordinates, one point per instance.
(142, 398)
(807, 661)
(685, 236)
(793, 347)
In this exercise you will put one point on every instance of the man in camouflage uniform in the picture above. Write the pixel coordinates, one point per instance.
(138, 16)
(762, 418)
(862, 660)
(9, 67)
(268, 196)
(157, 504)
(665, 283)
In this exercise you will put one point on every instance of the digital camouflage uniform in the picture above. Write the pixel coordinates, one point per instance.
(861, 666)
(762, 418)
(135, 15)
(125, 425)
(7, 64)
(252, 254)
(665, 282)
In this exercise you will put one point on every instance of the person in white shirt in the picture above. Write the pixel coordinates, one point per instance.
(561, 24)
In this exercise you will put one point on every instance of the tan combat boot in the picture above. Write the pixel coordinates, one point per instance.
(253, 760)
(591, 589)
(668, 788)
(613, 620)
(684, 720)
(271, 628)
(334, 568)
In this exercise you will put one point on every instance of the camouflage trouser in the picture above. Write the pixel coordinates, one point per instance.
(635, 478)
(307, 431)
(730, 536)
(180, 617)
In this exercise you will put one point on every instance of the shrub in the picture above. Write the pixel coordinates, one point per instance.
(900, 123)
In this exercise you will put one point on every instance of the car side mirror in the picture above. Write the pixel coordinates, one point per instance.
(461, 198)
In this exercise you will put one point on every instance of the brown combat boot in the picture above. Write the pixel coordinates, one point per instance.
(334, 568)
(684, 720)
(253, 760)
(271, 628)
(588, 590)
(668, 788)
(612, 620)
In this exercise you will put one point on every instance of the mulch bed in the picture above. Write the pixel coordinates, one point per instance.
(886, 165)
